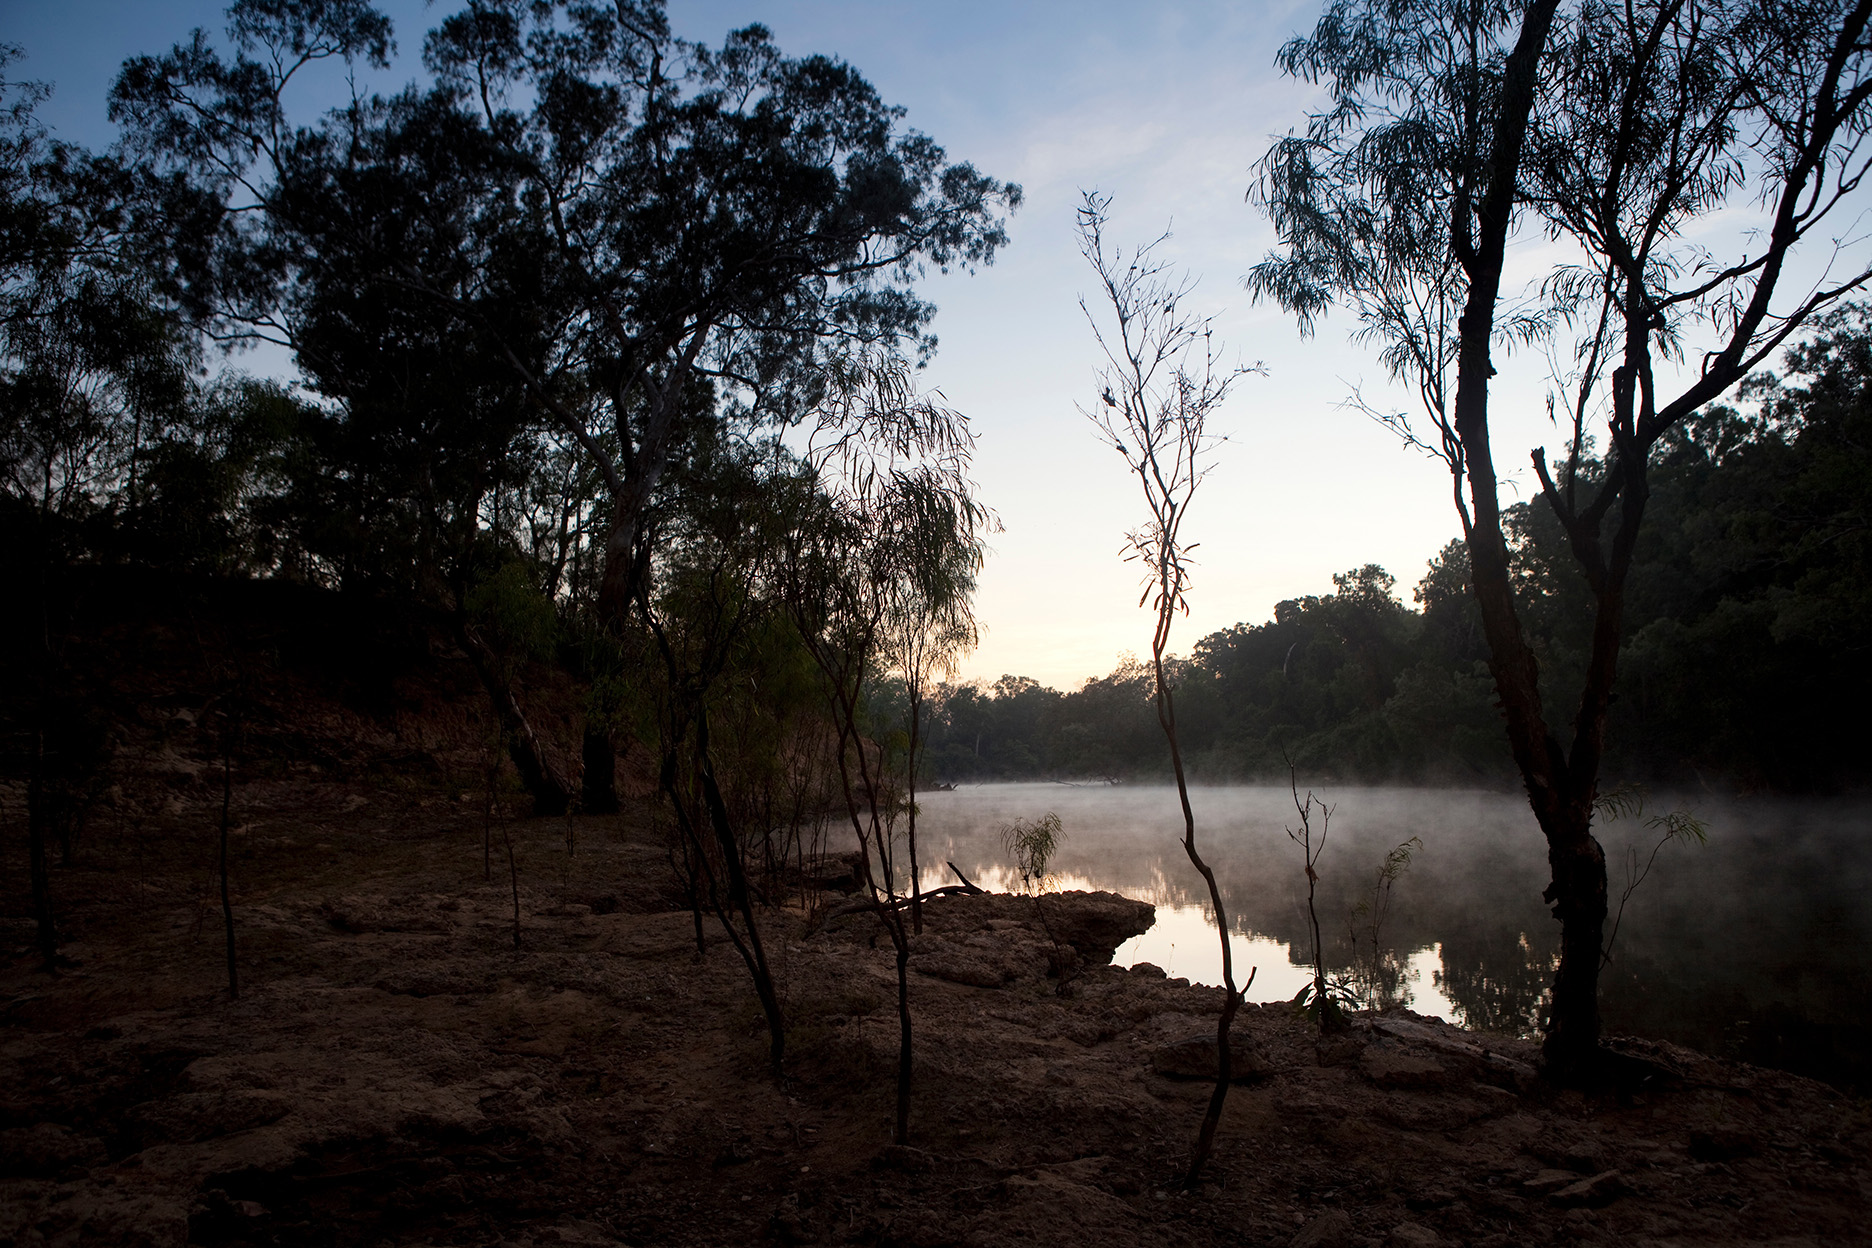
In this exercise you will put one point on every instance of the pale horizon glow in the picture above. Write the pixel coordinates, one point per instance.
(1164, 107)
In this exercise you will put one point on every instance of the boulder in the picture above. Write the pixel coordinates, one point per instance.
(1389, 1065)
(1550, 1181)
(1194, 1057)
(1332, 1229)
(1458, 1049)
(958, 967)
(46, 1149)
(1601, 1189)
(1097, 923)
(195, 1116)
(1093, 924)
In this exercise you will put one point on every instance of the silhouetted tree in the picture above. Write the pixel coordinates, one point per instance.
(1622, 129)
(1154, 407)
(891, 545)
(645, 231)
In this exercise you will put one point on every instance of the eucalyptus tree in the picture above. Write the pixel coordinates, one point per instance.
(1158, 389)
(94, 370)
(1629, 134)
(95, 358)
(890, 545)
(647, 232)
(721, 561)
(929, 626)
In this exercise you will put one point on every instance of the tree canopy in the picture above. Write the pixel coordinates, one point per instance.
(640, 231)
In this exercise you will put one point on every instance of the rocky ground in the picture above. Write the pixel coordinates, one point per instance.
(395, 1071)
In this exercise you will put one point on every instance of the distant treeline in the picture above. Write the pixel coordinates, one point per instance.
(1745, 661)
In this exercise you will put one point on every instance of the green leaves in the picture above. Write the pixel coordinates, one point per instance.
(1626, 800)
(1032, 844)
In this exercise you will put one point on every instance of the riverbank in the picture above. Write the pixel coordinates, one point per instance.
(395, 1071)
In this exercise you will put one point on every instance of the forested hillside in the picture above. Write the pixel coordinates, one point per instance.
(1747, 659)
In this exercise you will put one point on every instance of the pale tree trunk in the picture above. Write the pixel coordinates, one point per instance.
(551, 791)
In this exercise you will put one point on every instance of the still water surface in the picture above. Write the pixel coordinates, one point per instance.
(1757, 945)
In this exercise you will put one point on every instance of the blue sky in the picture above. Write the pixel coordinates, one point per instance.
(1164, 106)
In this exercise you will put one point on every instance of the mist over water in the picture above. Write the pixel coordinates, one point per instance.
(1752, 946)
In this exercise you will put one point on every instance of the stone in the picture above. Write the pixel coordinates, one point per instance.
(1389, 1065)
(195, 1116)
(960, 968)
(1095, 924)
(46, 1149)
(1499, 1099)
(1413, 1235)
(1602, 1189)
(1332, 1229)
(1092, 924)
(1088, 1032)
(1550, 1181)
(1149, 970)
(1304, 1107)
(1456, 1048)
(1340, 1050)
(1194, 1057)
(1424, 1111)
(1722, 1144)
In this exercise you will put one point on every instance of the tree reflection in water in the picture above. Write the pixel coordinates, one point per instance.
(1751, 947)
(1495, 984)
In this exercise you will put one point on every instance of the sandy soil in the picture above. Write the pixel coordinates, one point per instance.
(394, 1071)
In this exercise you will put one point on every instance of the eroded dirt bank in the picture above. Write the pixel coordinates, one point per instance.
(395, 1072)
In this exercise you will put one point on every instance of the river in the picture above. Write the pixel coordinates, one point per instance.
(1753, 945)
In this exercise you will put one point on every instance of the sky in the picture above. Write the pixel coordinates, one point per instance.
(1166, 107)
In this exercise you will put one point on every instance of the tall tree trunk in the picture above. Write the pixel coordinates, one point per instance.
(1573, 1027)
(738, 895)
(1575, 858)
(550, 790)
(916, 884)
(37, 817)
(227, 903)
(1578, 896)
(1231, 995)
(598, 778)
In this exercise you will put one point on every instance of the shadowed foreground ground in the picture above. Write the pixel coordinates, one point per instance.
(395, 1072)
